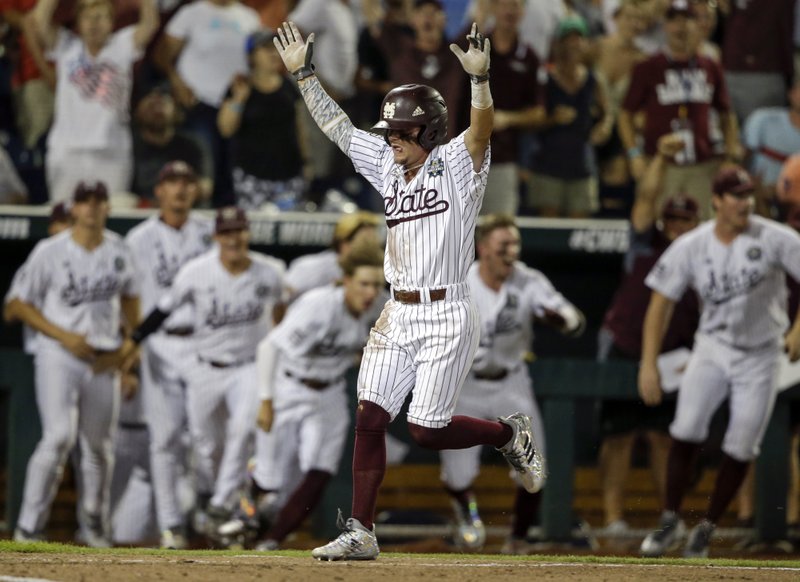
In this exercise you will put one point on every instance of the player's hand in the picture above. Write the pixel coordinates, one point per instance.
(670, 145)
(554, 319)
(129, 385)
(77, 346)
(650, 385)
(295, 53)
(476, 60)
(791, 344)
(112, 360)
(265, 415)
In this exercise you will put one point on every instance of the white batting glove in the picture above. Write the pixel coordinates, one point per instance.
(476, 60)
(295, 53)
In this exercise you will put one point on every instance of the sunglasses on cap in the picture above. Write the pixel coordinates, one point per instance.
(84, 192)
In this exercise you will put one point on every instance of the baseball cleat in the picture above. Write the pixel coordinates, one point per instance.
(267, 546)
(522, 454)
(22, 536)
(667, 537)
(173, 539)
(470, 533)
(699, 540)
(354, 543)
(516, 547)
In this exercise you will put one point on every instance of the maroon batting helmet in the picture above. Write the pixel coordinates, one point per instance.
(409, 106)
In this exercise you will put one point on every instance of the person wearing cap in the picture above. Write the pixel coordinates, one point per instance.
(157, 140)
(231, 292)
(737, 264)
(622, 422)
(163, 244)
(90, 138)
(263, 117)
(677, 89)
(563, 183)
(79, 291)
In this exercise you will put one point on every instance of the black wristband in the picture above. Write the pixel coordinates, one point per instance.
(478, 79)
(149, 325)
(303, 72)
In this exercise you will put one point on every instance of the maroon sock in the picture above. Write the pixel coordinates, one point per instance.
(369, 460)
(299, 505)
(680, 468)
(463, 497)
(463, 432)
(729, 479)
(525, 507)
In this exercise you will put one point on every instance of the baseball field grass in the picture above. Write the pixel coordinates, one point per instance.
(63, 562)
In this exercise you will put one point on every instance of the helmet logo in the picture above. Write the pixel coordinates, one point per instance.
(388, 110)
(418, 111)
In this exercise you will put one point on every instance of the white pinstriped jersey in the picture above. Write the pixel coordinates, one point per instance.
(315, 270)
(318, 337)
(742, 285)
(160, 251)
(232, 312)
(79, 290)
(507, 315)
(431, 220)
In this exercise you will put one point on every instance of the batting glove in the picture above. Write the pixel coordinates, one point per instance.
(476, 60)
(295, 53)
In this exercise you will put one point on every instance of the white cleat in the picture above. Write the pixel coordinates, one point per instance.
(354, 543)
(173, 539)
(522, 454)
(667, 537)
(470, 533)
(267, 546)
(24, 537)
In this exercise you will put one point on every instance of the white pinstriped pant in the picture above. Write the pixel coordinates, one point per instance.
(489, 400)
(426, 349)
(74, 403)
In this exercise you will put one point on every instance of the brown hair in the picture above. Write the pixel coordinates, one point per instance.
(492, 222)
(362, 254)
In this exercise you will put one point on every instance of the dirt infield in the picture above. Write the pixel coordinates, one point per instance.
(123, 567)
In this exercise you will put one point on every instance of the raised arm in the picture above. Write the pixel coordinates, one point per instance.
(649, 188)
(147, 25)
(42, 16)
(481, 118)
(296, 55)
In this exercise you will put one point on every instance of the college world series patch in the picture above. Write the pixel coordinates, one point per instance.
(436, 168)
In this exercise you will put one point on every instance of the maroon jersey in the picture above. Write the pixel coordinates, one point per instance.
(758, 37)
(514, 85)
(677, 96)
(625, 316)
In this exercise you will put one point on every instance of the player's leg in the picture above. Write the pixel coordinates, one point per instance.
(241, 398)
(133, 513)
(57, 375)
(322, 437)
(98, 403)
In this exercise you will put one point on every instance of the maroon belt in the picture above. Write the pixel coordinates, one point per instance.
(416, 297)
(312, 383)
(491, 377)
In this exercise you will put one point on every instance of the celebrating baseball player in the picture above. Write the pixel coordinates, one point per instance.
(509, 296)
(231, 292)
(301, 368)
(426, 337)
(162, 244)
(736, 263)
(75, 290)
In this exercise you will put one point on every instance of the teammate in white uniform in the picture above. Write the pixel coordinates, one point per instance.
(737, 265)
(83, 279)
(232, 292)
(509, 296)
(301, 370)
(162, 245)
(427, 335)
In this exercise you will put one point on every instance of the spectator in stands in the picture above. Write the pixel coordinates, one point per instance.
(621, 421)
(517, 104)
(676, 89)
(12, 188)
(757, 53)
(427, 59)
(706, 26)
(33, 78)
(156, 141)
(617, 54)
(578, 117)
(91, 139)
(262, 117)
(202, 50)
(771, 135)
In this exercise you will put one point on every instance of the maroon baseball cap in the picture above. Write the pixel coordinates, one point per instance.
(231, 218)
(681, 206)
(681, 8)
(86, 190)
(732, 180)
(176, 169)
